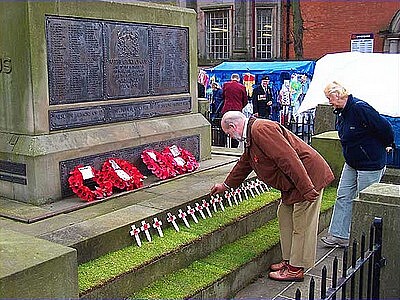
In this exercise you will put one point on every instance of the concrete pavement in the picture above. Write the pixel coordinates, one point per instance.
(265, 288)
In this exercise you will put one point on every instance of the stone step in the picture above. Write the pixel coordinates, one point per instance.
(195, 281)
(124, 284)
(95, 229)
(391, 176)
(226, 231)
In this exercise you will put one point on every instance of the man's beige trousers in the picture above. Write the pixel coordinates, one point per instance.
(298, 225)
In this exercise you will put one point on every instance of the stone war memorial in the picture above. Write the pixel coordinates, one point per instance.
(81, 82)
(84, 81)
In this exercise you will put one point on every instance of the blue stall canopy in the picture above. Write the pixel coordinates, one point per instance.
(289, 80)
(222, 72)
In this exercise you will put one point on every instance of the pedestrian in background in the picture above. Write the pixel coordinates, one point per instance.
(366, 137)
(235, 98)
(217, 101)
(262, 99)
(234, 94)
(285, 162)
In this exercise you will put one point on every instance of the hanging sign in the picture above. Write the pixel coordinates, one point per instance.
(363, 43)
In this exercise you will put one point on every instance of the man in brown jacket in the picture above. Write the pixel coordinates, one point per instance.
(285, 162)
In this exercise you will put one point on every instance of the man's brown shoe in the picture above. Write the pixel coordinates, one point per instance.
(279, 266)
(286, 275)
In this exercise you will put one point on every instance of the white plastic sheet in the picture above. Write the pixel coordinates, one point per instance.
(372, 77)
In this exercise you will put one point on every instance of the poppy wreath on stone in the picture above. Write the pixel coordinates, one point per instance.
(182, 160)
(88, 184)
(158, 164)
(122, 174)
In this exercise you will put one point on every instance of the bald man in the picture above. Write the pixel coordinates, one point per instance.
(285, 162)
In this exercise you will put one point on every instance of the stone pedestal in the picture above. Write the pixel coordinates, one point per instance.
(83, 81)
(324, 119)
(35, 268)
(381, 200)
(328, 145)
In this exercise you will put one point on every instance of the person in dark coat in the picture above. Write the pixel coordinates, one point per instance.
(366, 137)
(287, 163)
(217, 101)
(262, 99)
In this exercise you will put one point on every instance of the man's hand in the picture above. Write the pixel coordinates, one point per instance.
(311, 195)
(218, 188)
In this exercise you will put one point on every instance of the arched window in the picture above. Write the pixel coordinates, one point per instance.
(392, 35)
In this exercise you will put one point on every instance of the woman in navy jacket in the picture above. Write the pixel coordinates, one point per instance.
(366, 137)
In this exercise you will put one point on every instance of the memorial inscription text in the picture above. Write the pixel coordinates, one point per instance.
(94, 60)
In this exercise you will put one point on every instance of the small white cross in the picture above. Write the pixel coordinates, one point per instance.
(171, 219)
(157, 225)
(135, 232)
(145, 228)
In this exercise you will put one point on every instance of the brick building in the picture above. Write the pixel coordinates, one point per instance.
(333, 26)
(259, 29)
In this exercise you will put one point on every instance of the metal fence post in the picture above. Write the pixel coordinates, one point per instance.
(379, 262)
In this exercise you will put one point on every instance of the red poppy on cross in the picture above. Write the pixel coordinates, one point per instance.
(145, 228)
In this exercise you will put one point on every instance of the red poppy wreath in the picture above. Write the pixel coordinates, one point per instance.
(82, 176)
(158, 164)
(182, 160)
(121, 174)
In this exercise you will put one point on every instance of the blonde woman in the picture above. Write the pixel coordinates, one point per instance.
(365, 136)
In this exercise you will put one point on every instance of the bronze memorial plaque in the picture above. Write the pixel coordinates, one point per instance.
(170, 56)
(97, 60)
(104, 114)
(75, 60)
(127, 60)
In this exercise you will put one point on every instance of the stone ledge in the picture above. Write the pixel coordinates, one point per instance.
(34, 268)
(126, 284)
(29, 213)
(391, 176)
(229, 284)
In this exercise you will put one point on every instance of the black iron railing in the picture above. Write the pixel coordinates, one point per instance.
(362, 286)
(302, 126)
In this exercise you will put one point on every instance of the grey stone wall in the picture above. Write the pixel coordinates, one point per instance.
(35, 268)
(39, 131)
(383, 201)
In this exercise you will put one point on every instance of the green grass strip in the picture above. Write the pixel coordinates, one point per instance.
(99, 271)
(187, 282)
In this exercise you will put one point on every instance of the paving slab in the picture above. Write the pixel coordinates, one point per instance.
(20, 211)
(28, 262)
(265, 288)
(28, 213)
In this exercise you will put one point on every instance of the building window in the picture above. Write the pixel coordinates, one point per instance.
(264, 39)
(218, 38)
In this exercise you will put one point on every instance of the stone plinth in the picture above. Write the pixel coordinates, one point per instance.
(324, 119)
(381, 200)
(328, 145)
(35, 268)
(88, 80)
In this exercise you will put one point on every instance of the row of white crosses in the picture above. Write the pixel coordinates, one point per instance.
(232, 196)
